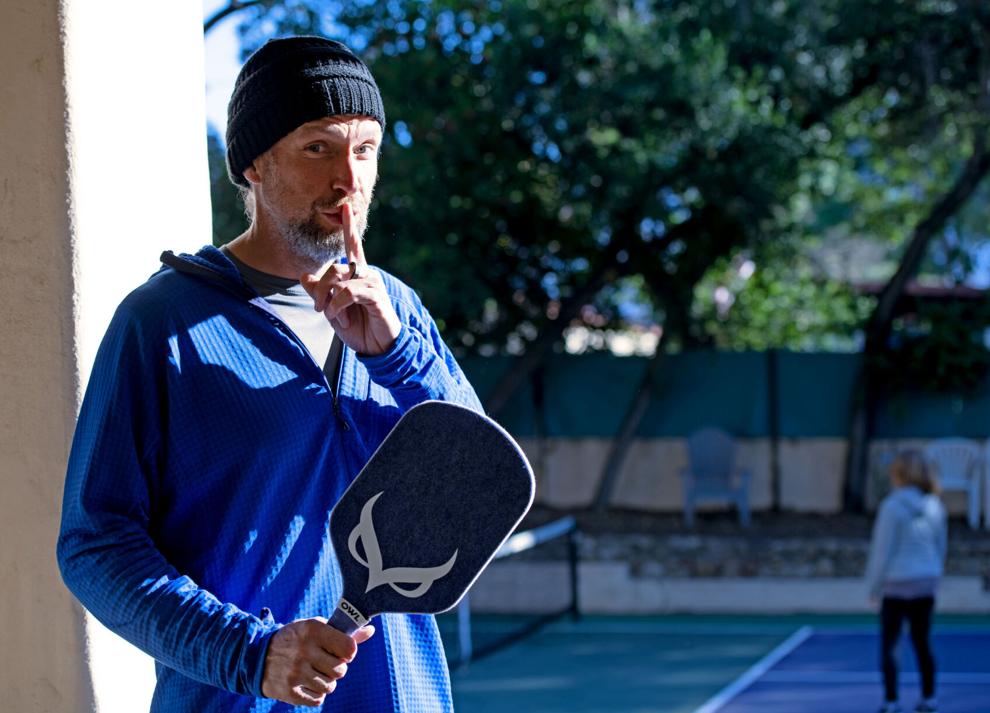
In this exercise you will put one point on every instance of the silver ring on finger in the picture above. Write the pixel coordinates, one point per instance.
(358, 271)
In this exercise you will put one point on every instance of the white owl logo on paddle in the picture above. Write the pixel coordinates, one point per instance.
(419, 578)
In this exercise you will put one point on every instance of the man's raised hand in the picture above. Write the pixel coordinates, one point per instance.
(354, 299)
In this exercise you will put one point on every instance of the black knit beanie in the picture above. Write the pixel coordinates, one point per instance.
(287, 83)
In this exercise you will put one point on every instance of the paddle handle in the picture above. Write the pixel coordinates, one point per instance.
(347, 618)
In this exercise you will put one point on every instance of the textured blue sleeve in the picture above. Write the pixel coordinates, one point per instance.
(881, 547)
(419, 366)
(106, 552)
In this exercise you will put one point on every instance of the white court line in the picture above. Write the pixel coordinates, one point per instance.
(937, 631)
(755, 671)
(606, 628)
(840, 677)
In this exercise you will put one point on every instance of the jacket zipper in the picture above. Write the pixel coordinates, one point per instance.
(340, 371)
(335, 391)
(216, 276)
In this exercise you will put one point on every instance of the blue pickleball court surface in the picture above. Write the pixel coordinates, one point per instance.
(836, 672)
(720, 664)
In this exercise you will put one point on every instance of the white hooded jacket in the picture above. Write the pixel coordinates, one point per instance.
(909, 539)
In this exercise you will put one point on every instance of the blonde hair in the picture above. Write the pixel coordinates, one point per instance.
(909, 467)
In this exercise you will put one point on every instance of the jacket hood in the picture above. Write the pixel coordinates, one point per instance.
(212, 265)
(912, 500)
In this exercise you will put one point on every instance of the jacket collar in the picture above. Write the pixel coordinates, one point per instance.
(212, 265)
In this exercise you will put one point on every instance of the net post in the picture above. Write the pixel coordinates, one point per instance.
(464, 651)
(573, 543)
(520, 542)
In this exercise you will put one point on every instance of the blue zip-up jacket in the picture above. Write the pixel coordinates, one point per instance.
(208, 454)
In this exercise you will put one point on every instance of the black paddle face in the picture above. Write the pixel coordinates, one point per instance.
(428, 511)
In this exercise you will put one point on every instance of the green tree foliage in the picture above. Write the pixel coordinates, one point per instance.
(898, 108)
(534, 145)
(938, 347)
(784, 302)
(228, 210)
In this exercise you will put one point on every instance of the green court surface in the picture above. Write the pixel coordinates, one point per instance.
(674, 664)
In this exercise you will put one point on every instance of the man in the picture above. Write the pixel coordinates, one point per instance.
(235, 396)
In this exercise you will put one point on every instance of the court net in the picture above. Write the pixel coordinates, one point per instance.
(531, 581)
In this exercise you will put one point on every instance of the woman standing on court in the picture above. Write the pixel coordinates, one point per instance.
(907, 553)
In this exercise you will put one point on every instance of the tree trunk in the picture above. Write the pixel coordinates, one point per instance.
(630, 423)
(604, 271)
(676, 323)
(868, 392)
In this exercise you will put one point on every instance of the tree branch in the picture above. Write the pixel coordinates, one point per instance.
(550, 333)
(234, 6)
(604, 271)
(878, 328)
(867, 391)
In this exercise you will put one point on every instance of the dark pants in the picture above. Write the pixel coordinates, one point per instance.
(918, 612)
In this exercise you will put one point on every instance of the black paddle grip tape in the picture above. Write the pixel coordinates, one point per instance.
(346, 618)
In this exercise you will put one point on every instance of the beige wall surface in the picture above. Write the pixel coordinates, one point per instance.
(812, 471)
(102, 138)
(42, 667)
(651, 476)
(568, 472)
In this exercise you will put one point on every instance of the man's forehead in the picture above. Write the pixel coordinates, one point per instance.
(344, 126)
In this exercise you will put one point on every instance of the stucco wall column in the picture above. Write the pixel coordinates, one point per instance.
(103, 166)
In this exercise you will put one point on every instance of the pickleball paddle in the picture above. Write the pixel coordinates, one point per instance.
(427, 513)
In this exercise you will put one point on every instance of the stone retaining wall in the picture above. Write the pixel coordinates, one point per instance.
(639, 573)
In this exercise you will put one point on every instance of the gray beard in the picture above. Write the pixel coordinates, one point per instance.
(306, 239)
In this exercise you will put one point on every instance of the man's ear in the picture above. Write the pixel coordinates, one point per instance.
(251, 173)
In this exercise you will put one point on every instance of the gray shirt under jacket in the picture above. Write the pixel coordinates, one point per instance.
(290, 301)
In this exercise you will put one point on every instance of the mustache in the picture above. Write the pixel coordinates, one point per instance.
(334, 203)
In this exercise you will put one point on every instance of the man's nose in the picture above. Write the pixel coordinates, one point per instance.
(345, 177)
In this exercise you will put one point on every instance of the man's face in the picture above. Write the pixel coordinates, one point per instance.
(302, 182)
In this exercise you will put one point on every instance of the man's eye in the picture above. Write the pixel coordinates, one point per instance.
(315, 148)
(365, 149)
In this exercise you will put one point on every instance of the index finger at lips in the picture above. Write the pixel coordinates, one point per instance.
(352, 241)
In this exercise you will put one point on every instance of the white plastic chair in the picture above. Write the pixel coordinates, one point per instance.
(712, 474)
(960, 466)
